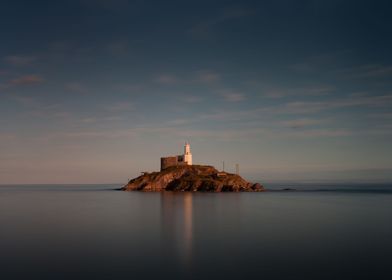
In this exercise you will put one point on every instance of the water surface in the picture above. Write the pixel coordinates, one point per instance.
(94, 232)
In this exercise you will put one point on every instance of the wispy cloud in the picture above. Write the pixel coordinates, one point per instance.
(301, 111)
(120, 107)
(131, 88)
(275, 93)
(317, 90)
(364, 100)
(322, 61)
(26, 101)
(3, 87)
(228, 134)
(299, 107)
(196, 77)
(114, 5)
(203, 28)
(112, 118)
(367, 71)
(88, 120)
(300, 123)
(62, 46)
(20, 60)
(301, 67)
(28, 80)
(178, 122)
(321, 133)
(320, 90)
(233, 96)
(375, 70)
(101, 134)
(207, 76)
(382, 116)
(167, 79)
(118, 48)
(192, 99)
(77, 87)
(302, 107)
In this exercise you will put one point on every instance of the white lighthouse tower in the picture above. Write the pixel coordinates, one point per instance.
(187, 154)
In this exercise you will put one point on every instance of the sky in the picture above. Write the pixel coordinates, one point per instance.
(98, 91)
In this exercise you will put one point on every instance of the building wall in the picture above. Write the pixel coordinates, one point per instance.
(185, 159)
(168, 161)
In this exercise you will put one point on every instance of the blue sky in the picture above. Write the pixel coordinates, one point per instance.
(97, 91)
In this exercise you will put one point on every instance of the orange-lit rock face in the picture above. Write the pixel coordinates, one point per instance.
(191, 178)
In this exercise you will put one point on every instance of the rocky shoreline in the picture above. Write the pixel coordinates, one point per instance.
(192, 178)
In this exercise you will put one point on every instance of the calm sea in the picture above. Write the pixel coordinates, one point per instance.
(93, 232)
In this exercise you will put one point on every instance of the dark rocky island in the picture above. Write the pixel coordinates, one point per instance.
(196, 178)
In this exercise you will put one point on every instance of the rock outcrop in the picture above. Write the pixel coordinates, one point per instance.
(191, 178)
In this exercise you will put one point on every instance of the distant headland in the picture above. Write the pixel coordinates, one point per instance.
(178, 174)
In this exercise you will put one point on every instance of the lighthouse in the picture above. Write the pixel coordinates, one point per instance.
(185, 159)
(187, 154)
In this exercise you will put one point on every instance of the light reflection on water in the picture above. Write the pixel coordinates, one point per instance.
(177, 224)
(93, 232)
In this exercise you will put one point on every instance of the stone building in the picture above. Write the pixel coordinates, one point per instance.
(185, 159)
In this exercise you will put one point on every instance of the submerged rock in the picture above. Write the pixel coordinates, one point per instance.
(195, 178)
